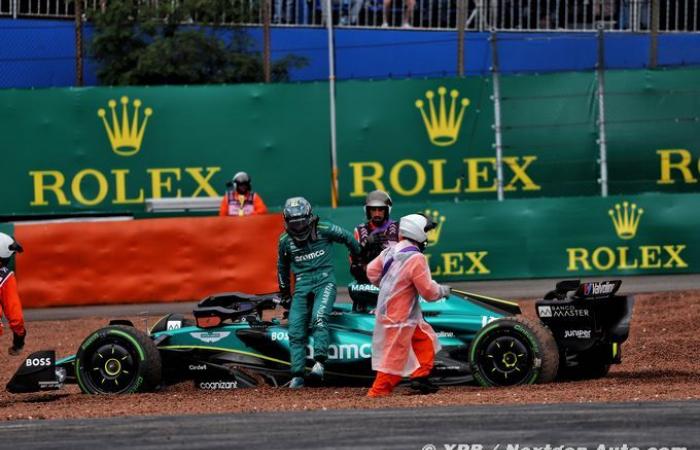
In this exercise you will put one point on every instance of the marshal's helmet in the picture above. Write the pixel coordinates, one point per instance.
(240, 182)
(298, 218)
(378, 199)
(8, 247)
(415, 227)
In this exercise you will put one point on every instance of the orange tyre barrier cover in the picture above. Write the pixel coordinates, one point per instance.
(148, 260)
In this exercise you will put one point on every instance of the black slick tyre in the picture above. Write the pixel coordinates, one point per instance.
(588, 365)
(512, 351)
(117, 359)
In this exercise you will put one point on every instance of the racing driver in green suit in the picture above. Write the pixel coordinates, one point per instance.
(306, 249)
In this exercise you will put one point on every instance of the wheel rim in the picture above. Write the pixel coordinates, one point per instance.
(505, 359)
(111, 367)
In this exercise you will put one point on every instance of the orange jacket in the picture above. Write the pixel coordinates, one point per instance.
(235, 204)
(10, 303)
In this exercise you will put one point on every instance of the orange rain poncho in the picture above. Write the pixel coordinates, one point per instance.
(402, 273)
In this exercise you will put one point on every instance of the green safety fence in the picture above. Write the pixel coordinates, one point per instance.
(77, 150)
(554, 237)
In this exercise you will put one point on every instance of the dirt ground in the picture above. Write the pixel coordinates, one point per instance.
(659, 363)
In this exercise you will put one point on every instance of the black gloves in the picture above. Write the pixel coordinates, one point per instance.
(285, 299)
(376, 239)
(17, 344)
(357, 270)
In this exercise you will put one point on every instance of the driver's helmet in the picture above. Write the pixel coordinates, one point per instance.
(298, 218)
(8, 246)
(378, 199)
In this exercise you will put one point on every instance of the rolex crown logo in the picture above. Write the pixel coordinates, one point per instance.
(434, 234)
(626, 217)
(125, 135)
(442, 126)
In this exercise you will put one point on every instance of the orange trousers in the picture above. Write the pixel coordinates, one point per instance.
(422, 345)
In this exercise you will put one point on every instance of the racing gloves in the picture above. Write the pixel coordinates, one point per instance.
(445, 290)
(285, 299)
(376, 239)
(17, 343)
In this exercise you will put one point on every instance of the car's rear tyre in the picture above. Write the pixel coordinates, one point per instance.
(588, 365)
(513, 350)
(117, 360)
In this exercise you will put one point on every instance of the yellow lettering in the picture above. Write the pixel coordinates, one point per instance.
(579, 255)
(158, 183)
(120, 189)
(438, 178)
(622, 251)
(40, 185)
(477, 262)
(520, 173)
(102, 187)
(394, 177)
(596, 259)
(203, 181)
(452, 263)
(674, 253)
(681, 165)
(359, 177)
(650, 256)
(476, 174)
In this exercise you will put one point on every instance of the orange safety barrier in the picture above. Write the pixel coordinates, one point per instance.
(147, 260)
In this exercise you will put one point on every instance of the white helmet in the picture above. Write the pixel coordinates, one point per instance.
(8, 246)
(415, 227)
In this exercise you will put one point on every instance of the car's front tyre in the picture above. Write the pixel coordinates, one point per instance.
(117, 359)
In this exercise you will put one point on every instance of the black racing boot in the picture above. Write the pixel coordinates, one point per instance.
(423, 385)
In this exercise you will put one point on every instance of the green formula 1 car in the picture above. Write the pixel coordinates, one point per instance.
(228, 345)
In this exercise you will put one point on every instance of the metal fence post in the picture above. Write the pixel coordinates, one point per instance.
(266, 40)
(602, 141)
(654, 35)
(496, 98)
(78, 43)
(461, 24)
(13, 6)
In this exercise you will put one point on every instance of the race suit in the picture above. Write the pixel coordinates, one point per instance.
(390, 230)
(315, 288)
(403, 343)
(9, 302)
(235, 204)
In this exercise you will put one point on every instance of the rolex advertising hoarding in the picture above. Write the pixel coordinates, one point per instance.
(108, 149)
(555, 237)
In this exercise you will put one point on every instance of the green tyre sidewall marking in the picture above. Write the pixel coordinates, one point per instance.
(534, 347)
(90, 340)
(474, 344)
(131, 339)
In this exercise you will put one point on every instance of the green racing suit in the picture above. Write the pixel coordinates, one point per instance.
(311, 262)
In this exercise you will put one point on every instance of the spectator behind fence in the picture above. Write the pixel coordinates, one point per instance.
(239, 199)
(407, 19)
(353, 17)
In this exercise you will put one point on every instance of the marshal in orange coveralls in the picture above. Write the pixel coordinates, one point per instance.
(10, 304)
(403, 344)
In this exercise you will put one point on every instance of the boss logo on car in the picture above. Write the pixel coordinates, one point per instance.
(579, 334)
(37, 362)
